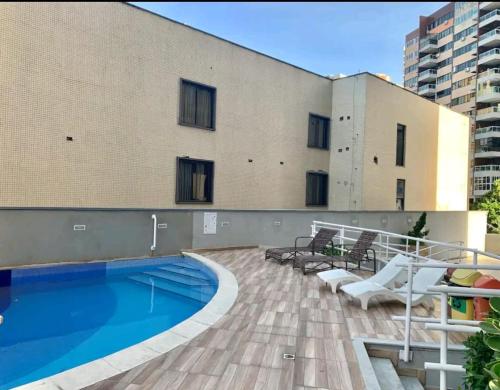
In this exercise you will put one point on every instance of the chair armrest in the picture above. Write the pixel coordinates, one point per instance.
(374, 254)
(302, 237)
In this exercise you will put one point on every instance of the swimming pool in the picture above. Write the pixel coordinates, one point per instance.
(59, 317)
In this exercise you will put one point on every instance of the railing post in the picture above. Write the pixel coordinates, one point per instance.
(474, 258)
(417, 249)
(407, 245)
(443, 351)
(342, 239)
(387, 247)
(406, 352)
(313, 229)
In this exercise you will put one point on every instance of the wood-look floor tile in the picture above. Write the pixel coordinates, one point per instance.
(278, 310)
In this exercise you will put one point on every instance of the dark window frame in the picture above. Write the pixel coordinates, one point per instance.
(181, 100)
(400, 162)
(398, 197)
(211, 181)
(325, 176)
(310, 143)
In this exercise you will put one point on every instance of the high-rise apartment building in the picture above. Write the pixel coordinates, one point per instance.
(453, 58)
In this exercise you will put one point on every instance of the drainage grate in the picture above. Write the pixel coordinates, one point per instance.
(289, 356)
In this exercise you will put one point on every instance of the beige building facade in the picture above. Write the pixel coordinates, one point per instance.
(453, 58)
(435, 149)
(105, 105)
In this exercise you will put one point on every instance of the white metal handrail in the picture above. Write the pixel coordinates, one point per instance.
(443, 324)
(474, 251)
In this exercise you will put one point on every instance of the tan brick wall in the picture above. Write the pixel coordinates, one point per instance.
(108, 75)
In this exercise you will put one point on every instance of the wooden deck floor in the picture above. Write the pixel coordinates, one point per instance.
(278, 310)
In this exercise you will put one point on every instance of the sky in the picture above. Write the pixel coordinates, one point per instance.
(326, 38)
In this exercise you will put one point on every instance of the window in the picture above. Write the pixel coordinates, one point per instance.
(484, 183)
(319, 132)
(410, 83)
(446, 47)
(465, 49)
(469, 14)
(316, 189)
(464, 66)
(400, 195)
(197, 105)
(445, 62)
(195, 179)
(462, 99)
(464, 33)
(443, 78)
(411, 68)
(400, 145)
(463, 83)
(443, 93)
(439, 21)
(444, 33)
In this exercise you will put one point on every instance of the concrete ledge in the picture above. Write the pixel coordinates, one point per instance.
(365, 365)
(135, 355)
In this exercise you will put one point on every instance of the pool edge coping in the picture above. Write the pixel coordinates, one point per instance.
(128, 358)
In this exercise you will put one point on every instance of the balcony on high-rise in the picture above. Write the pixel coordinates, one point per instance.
(490, 39)
(427, 75)
(489, 94)
(427, 90)
(488, 114)
(487, 132)
(489, 5)
(428, 44)
(429, 61)
(490, 57)
(491, 75)
(492, 18)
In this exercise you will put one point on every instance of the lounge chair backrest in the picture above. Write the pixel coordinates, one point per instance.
(426, 277)
(322, 239)
(391, 271)
(364, 242)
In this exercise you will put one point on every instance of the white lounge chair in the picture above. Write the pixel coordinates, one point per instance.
(424, 278)
(386, 277)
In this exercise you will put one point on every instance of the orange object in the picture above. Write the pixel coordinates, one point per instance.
(481, 305)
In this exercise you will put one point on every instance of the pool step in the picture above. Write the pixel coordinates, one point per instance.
(185, 271)
(201, 294)
(387, 376)
(185, 280)
(411, 383)
(184, 265)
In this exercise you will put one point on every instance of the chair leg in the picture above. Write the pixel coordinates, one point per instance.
(364, 303)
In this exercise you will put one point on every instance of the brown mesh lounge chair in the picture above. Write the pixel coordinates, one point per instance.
(358, 253)
(317, 244)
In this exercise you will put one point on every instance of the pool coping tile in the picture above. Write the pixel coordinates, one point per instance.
(110, 365)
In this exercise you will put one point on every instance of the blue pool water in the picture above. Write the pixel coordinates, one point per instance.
(59, 317)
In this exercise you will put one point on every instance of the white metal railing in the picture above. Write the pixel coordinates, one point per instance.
(483, 168)
(429, 40)
(489, 53)
(491, 33)
(489, 15)
(386, 246)
(487, 110)
(442, 324)
(488, 72)
(488, 90)
(427, 73)
(488, 129)
(427, 88)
